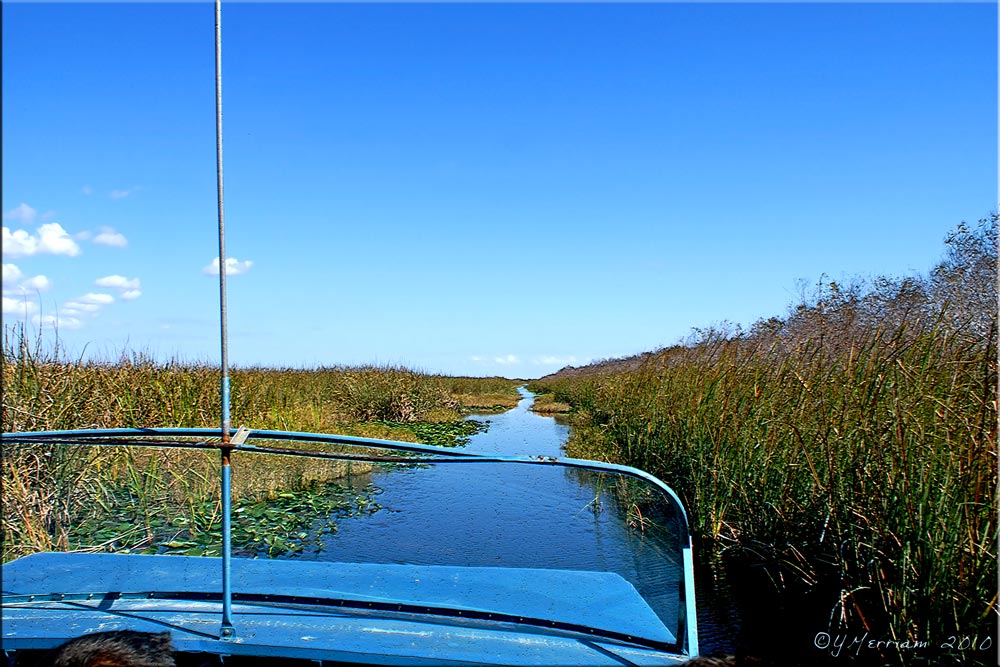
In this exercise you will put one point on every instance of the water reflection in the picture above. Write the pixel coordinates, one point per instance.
(521, 432)
(516, 515)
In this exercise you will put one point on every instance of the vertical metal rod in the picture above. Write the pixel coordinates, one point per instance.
(222, 223)
(227, 631)
(690, 612)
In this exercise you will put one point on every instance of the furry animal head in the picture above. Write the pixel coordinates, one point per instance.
(122, 648)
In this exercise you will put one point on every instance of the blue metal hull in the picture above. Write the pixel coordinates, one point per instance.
(345, 612)
(369, 613)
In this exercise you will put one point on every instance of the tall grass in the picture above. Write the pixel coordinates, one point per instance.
(855, 439)
(483, 394)
(43, 390)
(47, 490)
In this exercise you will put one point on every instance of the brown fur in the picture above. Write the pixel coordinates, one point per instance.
(705, 661)
(122, 648)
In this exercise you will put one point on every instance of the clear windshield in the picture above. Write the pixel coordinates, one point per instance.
(599, 549)
(510, 515)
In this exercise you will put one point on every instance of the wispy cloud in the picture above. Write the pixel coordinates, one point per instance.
(96, 298)
(116, 281)
(78, 307)
(18, 243)
(127, 288)
(51, 239)
(60, 321)
(87, 190)
(11, 275)
(508, 360)
(18, 307)
(15, 282)
(110, 237)
(22, 213)
(90, 305)
(234, 267)
(18, 291)
(37, 284)
(121, 194)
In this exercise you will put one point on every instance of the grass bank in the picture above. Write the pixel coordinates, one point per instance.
(546, 404)
(55, 498)
(847, 450)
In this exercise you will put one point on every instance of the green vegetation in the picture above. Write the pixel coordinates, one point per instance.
(139, 499)
(280, 525)
(443, 434)
(853, 441)
(546, 404)
(482, 395)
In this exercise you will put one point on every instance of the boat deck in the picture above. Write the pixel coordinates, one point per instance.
(346, 613)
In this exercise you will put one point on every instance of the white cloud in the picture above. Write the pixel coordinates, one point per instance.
(58, 321)
(110, 237)
(127, 289)
(508, 360)
(23, 213)
(14, 282)
(17, 300)
(81, 307)
(18, 243)
(476, 358)
(89, 304)
(234, 267)
(37, 284)
(18, 307)
(96, 298)
(52, 239)
(118, 282)
(11, 274)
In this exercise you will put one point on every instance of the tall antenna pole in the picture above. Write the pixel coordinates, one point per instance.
(227, 630)
(222, 221)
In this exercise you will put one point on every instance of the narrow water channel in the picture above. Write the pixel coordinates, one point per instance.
(506, 515)
(523, 432)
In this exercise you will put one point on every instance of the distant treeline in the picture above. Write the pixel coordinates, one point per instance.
(851, 444)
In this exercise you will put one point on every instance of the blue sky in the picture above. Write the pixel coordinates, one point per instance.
(477, 188)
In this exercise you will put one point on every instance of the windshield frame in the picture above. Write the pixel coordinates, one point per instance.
(401, 452)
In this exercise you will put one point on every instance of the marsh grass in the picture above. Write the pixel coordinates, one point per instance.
(853, 443)
(50, 492)
(546, 404)
(491, 394)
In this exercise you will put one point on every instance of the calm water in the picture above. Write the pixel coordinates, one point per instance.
(509, 515)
